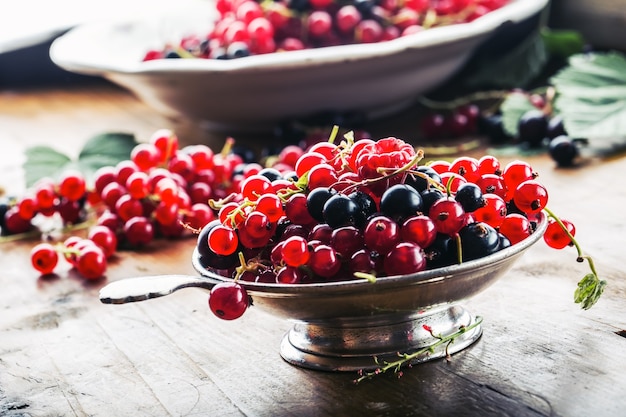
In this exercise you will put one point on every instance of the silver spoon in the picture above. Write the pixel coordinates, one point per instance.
(144, 288)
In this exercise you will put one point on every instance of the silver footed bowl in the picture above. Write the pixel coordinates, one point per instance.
(343, 326)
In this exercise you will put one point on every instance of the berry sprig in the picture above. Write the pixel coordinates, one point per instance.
(88, 256)
(405, 359)
(560, 234)
(160, 191)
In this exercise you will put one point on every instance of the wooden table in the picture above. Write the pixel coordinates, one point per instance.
(63, 353)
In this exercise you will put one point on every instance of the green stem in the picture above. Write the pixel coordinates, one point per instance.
(459, 250)
(571, 237)
(406, 358)
(471, 98)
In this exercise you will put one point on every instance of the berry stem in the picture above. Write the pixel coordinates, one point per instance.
(370, 277)
(590, 288)
(406, 358)
(459, 250)
(497, 95)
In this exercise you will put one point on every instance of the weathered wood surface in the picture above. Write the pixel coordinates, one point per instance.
(63, 353)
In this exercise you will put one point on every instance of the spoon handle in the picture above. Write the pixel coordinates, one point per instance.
(144, 288)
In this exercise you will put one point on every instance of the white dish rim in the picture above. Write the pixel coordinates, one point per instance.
(63, 50)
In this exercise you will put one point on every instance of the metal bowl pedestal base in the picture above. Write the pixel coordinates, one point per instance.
(355, 344)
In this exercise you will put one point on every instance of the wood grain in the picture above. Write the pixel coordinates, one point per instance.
(63, 353)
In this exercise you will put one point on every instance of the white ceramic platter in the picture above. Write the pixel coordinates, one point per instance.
(257, 91)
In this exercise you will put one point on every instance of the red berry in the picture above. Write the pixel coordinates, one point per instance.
(515, 227)
(295, 251)
(405, 258)
(556, 237)
(72, 185)
(223, 240)
(228, 300)
(91, 262)
(166, 142)
(44, 258)
(493, 212)
(324, 261)
(138, 231)
(420, 230)
(145, 156)
(105, 238)
(381, 234)
(448, 216)
(530, 197)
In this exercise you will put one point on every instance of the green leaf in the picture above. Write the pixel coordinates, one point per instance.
(101, 150)
(105, 150)
(589, 291)
(515, 69)
(513, 107)
(562, 43)
(43, 161)
(591, 95)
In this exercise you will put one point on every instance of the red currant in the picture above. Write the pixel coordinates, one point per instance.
(556, 237)
(228, 300)
(44, 258)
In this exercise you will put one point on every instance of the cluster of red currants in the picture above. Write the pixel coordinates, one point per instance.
(366, 209)
(160, 191)
(65, 197)
(460, 121)
(249, 27)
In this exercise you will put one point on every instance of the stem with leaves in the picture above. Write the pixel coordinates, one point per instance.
(405, 359)
(590, 288)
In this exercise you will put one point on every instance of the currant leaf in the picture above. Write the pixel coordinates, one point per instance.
(513, 107)
(101, 150)
(43, 161)
(591, 95)
(105, 150)
(589, 291)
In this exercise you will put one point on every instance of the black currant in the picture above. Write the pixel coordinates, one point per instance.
(400, 202)
(340, 211)
(419, 182)
(470, 196)
(477, 240)
(492, 127)
(533, 127)
(365, 202)
(4, 207)
(218, 53)
(290, 176)
(237, 50)
(440, 253)
(429, 197)
(271, 174)
(365, 7)
(563, 150)
(512, 208)
(246, 154)
(556, 127)
(172, 55)
(208, 258)
(316, 200)
(299, 5)
(238, 170)
(504, 241)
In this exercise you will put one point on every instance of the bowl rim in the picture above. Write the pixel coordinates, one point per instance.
(357, 285)
(63, 50)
